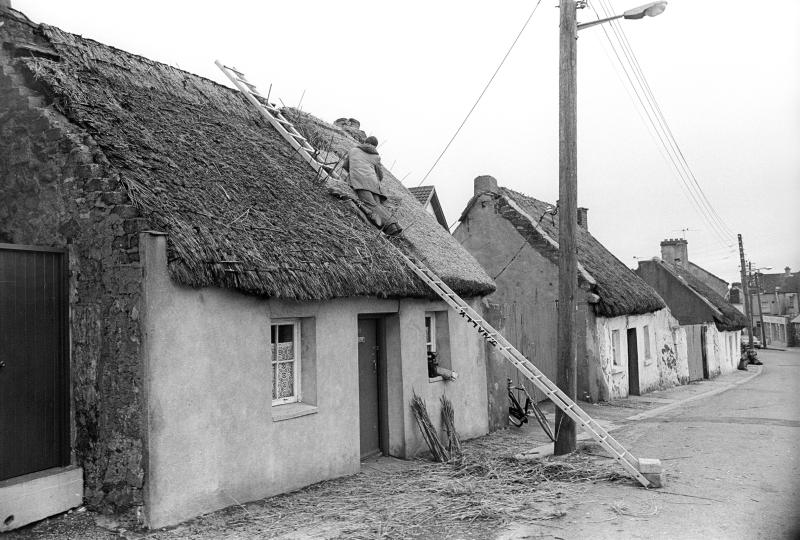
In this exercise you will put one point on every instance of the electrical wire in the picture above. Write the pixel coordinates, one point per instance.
(485, 88)
(656, 120)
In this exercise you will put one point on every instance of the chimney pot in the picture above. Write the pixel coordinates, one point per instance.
(485, 183)
(788, 270)
(583, 217)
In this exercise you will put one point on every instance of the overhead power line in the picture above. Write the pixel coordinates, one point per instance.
(657, 121)
(485, 88)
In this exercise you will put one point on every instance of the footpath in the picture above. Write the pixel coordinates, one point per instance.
(613, 415)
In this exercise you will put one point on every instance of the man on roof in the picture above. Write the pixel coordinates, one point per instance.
(364, 165)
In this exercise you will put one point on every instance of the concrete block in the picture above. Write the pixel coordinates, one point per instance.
(38, 495)
(647, 465)
(656, 480)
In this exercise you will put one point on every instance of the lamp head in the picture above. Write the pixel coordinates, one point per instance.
(650, 10)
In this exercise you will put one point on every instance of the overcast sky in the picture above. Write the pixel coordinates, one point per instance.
(726, 76)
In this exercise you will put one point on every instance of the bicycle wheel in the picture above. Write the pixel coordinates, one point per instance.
(516, 422)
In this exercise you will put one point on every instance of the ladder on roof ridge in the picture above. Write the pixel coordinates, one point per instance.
(492, 336)
(275, 117)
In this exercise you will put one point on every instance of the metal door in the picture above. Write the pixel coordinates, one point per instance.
(34, 369)
(368, 402)
(633, 363)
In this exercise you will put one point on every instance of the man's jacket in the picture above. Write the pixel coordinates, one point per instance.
(364, 164)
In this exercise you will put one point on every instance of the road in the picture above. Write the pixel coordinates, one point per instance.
(734, 457)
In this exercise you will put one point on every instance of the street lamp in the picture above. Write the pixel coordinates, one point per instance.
(647, 10)
(566, 379)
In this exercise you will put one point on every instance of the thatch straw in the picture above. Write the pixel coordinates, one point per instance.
(438, 451)
(731, 319)
(200, 164)
(621, 291)
(422, 500)
(449, 423)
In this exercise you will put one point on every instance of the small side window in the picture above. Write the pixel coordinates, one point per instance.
(647, 342)
(615, 346)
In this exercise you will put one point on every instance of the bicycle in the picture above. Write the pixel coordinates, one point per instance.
(518, 415)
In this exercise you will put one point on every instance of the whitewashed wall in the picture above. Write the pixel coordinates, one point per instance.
(667, 365)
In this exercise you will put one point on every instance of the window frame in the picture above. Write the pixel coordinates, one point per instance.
(616, 354)
(296, 398)
(430, 345)
(647, 352)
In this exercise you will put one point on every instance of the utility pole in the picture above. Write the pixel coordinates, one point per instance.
(748, 310)
(567, 363)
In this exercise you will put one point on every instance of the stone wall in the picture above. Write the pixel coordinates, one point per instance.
(57, 189)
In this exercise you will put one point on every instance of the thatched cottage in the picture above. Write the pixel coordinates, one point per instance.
(628, 341)
(713, 326)
(211, 326)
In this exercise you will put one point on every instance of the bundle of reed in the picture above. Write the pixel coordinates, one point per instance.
(438, 451)
(448, 420)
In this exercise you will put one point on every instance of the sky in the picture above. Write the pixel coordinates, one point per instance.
(726, 76)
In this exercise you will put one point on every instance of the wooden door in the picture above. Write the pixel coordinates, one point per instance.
(34, 368)
(633, 363)
(368, 395)
(703, 351)
(694, 352)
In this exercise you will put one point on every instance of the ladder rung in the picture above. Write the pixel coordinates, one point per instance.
(238, 73)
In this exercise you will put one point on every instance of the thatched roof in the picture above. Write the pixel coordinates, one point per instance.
(621, 291)
(726, 317)
(240, 208)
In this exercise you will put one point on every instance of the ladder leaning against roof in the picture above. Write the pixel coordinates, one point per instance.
(645, 471)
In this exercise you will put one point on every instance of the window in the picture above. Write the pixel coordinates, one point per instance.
(437, 340)
(615, 346)
(647, 342)
(285, 357)
(430, 332)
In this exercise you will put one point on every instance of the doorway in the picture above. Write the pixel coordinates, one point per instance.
(371, 389)
(34, 364)
(703, 350)
(633, 363)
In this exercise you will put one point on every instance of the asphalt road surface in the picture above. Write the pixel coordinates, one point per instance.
(732, 462)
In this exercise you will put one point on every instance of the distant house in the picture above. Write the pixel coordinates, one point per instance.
(713, 326)
(780, 304)
(628, 341)
(189, 319)
(675, 251)
(426, 195)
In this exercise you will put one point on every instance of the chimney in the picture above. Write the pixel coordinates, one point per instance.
(485, 183)
(675, 251)
(5, 4)
(583, 217)
(788, 271)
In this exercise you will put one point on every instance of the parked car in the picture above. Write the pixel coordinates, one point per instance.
(756, 342)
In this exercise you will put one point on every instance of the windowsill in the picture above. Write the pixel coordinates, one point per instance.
(435, 379)
(292, 410)
(648, 362)
(616, 370)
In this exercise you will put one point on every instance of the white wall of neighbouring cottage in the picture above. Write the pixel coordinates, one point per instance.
(213, 438)
(667, 365)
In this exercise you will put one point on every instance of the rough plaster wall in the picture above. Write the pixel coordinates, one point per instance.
(667, 365)
(523, 308)
(467, 393)
(616, 377)
(56, 189)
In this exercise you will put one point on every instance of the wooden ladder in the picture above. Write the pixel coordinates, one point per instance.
(492, 336)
